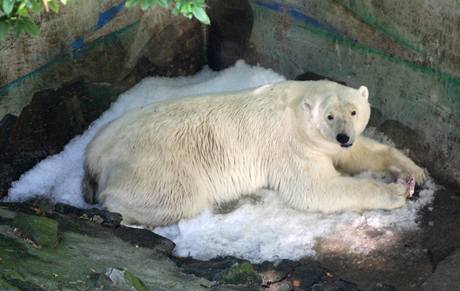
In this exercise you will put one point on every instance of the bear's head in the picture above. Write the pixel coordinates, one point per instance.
(334, 114)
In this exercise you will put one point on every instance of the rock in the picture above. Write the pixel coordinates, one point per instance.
(338, 285)
(310, 76)
(230, 273)
(138, 237)
(211, 269)
(125, 280)
(134, 282)
(13, 164)
(441, 231)
(231, 26)
(42, 230)
(95, 256)
(144, 238)
(171, 52)
(6, 126)
(6, 215)
(400, 134)
(301, 274)
(446, 275)
(55, 116)
(99, 281)
(304, 276)
(4, 285)
(93, 214)
(231, 287)
(377, 117)
(47, 124)
(384, 287)
(243, 273)
(15, 282)
(80, 260)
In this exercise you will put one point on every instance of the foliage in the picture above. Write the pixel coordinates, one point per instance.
(15, 15)
(188, 8)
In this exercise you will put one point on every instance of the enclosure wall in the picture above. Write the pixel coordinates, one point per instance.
(406, 52)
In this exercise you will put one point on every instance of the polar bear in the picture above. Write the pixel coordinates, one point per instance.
(171, 160)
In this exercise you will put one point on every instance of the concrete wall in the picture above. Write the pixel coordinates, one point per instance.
(406, 52)
(99, 41)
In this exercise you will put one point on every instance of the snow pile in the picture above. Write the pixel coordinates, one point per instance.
(260, 229)
(269, 230)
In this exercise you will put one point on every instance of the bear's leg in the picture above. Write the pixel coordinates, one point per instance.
(318, 186)
(348, 193)
(369, 155)
(135, 212)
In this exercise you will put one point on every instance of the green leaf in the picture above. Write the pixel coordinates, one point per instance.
(164, 3)
(134, 281)
(144, 4)
(131, 3)
(8, 6)
(153, 3)
(185, 8)
(36, 7)
(18, 28)
(53, 5)
(22, 10)
(30, 27)
(64, 2)
(201, 15)
(4, 28)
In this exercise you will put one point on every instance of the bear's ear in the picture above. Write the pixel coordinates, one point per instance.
(364, 92)
(307, 105)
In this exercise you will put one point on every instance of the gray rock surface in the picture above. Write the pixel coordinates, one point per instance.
(49, 247)
(82, 255)
(447, 274)
(47, 124)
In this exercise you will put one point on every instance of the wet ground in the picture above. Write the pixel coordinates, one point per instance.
(409, 262)
(406, 263)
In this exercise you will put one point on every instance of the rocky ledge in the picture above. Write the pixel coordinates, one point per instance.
(59, 247)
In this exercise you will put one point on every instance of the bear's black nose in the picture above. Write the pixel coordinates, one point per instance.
(342, 138)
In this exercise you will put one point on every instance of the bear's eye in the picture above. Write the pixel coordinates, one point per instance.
(353, 113)
(330, 117)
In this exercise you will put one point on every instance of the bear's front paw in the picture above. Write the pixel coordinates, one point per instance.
(411, 171)
(420, 175)
(398, 195)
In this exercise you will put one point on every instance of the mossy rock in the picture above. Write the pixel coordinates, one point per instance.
(243, 273)
(42, 230)
(4, 285)
(124, 280)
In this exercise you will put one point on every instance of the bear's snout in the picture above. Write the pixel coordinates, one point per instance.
(343, 139)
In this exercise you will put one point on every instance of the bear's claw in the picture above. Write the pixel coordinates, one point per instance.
(409, 183)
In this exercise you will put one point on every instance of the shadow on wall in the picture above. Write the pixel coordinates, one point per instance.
(228, 37)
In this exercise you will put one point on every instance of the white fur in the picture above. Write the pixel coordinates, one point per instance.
(172, 160)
